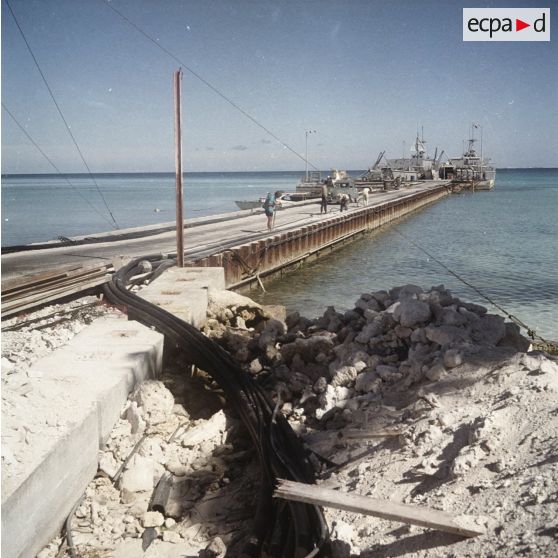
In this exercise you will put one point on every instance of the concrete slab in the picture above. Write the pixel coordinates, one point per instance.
(76, 397)
(183, 291)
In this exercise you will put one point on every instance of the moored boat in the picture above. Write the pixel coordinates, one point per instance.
(310, 186)
(283, 200)
(471, 170)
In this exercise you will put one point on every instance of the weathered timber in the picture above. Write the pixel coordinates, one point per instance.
(384, 509)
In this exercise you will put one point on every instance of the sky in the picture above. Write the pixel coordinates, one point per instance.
(364, 74)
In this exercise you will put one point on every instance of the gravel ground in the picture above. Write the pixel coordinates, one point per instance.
(419, 397)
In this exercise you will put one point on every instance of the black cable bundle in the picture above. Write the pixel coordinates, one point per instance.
(281, 529)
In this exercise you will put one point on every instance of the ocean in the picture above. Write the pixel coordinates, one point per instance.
(504, 241)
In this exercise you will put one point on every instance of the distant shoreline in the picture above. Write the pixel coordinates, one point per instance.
(197, 173)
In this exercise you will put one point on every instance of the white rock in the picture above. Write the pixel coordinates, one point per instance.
(218, 299)
(392, 308)
(177, 468)
(152, 519)
(134, 417)
(327, 401)
(344, 376)
(169, 522)
(151, 447)
(343, 393)
(342, 531)
(155, 399)
(360, 366)
(171, 536)
(218, 547)
(108, 464)
(138, 475)
(211, 429)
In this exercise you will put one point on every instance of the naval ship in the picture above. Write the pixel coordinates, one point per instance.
(470, 170)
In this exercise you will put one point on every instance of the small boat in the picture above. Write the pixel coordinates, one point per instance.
(282, 199)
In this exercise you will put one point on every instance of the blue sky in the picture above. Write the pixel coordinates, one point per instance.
(362, 73)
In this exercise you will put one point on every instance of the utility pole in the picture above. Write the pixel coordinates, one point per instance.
(306, 157)
(178, 167)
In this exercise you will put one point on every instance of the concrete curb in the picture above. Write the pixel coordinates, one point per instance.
(80, 389)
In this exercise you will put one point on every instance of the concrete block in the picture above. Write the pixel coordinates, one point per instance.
(77, 394)
(183, 291)
(36, 509)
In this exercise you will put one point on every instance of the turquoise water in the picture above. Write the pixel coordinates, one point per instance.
(38, 208)
(503, 241)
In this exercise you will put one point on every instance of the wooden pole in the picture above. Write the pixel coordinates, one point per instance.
(178, 167)
(466, 526)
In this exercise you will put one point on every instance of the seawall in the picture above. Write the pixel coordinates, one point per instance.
(246, 264)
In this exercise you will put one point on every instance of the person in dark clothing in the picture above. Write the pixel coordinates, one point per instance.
(323, 204)
(269, 208)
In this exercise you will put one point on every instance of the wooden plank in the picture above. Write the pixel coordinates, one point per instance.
(384, 509)
(16, 285)
(52, 284)
(33, 279)
(29, 302)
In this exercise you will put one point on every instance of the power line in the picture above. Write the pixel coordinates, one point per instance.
(532, 334)
(53, 165)
(207, 83)
(60, 113)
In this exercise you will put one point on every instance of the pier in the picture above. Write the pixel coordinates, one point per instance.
(237, 241)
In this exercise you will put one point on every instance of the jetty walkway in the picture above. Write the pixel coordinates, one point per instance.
(237, 241)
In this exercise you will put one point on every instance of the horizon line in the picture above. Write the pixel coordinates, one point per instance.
(85, 174)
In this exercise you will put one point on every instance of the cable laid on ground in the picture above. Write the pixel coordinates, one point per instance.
(292, 530)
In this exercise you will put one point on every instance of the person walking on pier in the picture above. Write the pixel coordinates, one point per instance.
(364, 196)
(269, 208)
(343, 202)
(323, 203)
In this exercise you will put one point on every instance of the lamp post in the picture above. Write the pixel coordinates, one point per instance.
(306, 157)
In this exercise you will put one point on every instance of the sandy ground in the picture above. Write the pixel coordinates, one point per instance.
(419, 397)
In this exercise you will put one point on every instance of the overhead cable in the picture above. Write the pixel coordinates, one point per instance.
(54, 166)
(207, 83)
(60, 112)
(530, 332)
